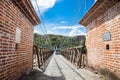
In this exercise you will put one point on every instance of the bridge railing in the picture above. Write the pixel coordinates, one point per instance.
(40, 55)
(76, 55)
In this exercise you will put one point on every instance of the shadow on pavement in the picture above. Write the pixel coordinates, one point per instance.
(39, 75)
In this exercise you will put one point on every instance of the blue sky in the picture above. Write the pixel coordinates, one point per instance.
(61, 17)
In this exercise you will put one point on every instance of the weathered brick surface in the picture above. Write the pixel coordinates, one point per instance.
(98, 56)
(14, 62)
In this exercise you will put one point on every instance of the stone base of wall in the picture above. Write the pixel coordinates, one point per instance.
(106, 74)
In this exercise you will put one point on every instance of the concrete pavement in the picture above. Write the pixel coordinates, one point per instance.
(61, 69)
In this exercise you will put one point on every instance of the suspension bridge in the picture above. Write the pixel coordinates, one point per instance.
(68, 64)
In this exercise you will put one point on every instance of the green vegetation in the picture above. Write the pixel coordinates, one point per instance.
(50, 41)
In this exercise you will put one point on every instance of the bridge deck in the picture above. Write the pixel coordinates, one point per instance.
(61, 69)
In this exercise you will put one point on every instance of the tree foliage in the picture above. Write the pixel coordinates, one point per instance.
(50, 41)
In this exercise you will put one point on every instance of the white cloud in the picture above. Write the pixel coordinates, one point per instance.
(60, 30)
(76, 32)
(36, 31)
(66, 27)
(63, 22)
(95, 0)
(50, 32)
(44, 5)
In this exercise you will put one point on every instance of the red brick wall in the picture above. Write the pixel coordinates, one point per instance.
(98, 56)
(14, 62)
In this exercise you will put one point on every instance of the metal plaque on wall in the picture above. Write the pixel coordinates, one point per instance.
(106, 36)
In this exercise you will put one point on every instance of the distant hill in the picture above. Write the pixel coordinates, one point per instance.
(51, 41)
